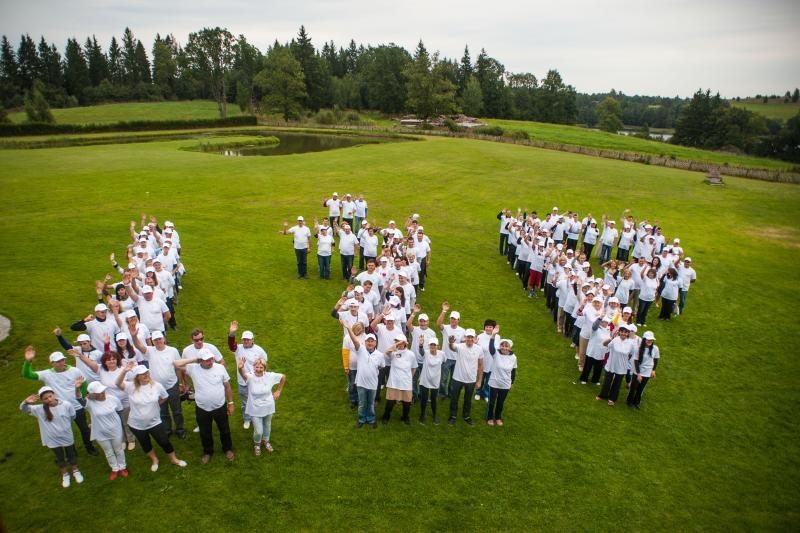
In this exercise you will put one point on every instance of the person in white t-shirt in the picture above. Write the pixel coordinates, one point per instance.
(301, 239)
(250, 352)
(348, 210)
(106, 410)
(687, 275)
(645, 362)
(401, 378)
(213, 398)
(334, 206)
(160, 358)
(325, 244)
(347, 250)
(153, 312)
(504, 217)
(608, 239)
(621, 348)
(430, 375)
(370, 361)
(55, 427)
(453, 329)
(261, 404)
(467, 374)
(503, 375)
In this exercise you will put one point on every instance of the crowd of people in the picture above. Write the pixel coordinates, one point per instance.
(600, 313)
(389, 344)
(132, 383)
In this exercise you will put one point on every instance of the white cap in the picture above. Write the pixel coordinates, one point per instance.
(130, 313)
(469, 333)
(415, 216)
(248, 335)
(559, 246)
(157, 259)
(156, 335)
(627, 310)
(169, 224)
(606, 287)
(301, 218)
(648, 226)
(507, 341)
(359, 289)
(649, 336)
(149, 269)
(423, 316)
(455, 314)
(433, 340)
(205, 355)
(131, 266)
(83, 337)
(56, 356)
(676, 240)
(138, 370)
(370, 336)
(688, 259)
(45, 389)
(121, 336)
(388, 317)
(597, 299)
(335, 194)
(555, 208)
(394, 300)
(100, 307)
(420, 229)
(351, 302)
(586, 264)
(167, 243)
(613, 300)
(95, 387)
(147, 289)
(401, 338)
(391, 222)
(629, 327)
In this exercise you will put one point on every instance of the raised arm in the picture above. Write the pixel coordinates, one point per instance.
(232, 335)
(353, 338)
(77, 354)
(180, 363)
(240, 368)
(440, 320)
(121, 378)
(27, 369)
(414, 312)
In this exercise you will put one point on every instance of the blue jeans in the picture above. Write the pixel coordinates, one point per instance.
(302, 267)
(352, 391)
(605, 253)
(243, 397)
(347, 265)
(366, 405)
(324, 262)
(483, 392)
(644, 307)
(262, 427)
(447, 372)
(682, 300)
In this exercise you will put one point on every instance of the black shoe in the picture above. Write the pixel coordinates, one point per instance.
(353, 405)
(359, 425)
(406, 421)
(451, 421)
(435, 420)
(469, 421)
(384, 421)
(422, 421)
(374, 425)
(181, 434)
(91, 450)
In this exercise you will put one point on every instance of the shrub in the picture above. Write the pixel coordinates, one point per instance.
(519, 135)
(353, 118)
(12, 130)
(451, 125)
(495, 131)
(325, 116)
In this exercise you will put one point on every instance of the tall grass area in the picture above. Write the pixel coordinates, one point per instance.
(131, 111)
(713, 448)
(578, 136)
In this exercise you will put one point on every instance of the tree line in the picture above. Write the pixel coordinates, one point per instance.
(287, 78)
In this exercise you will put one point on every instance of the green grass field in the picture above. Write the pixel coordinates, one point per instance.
(772, 109)
(575, 135)
(713, 448)
(108, 113)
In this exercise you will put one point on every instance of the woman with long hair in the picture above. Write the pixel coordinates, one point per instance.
(645, 363)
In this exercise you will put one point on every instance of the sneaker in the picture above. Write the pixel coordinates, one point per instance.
(181, 463)
(257, 450)
(196, 430)
(154, 467)
(611, 403)
(268, 447)
(78, 476)
(246, 424)
(65, 481)
(113, 475)
(451, 421)
(490, 422)
(359, 425)
(486, 399)
(181, 434)
(469, 421)
(583, 383)
(435, 420)
(477, 397)
(131, 446)
(422, 420)
(498, 422)
(124, 472)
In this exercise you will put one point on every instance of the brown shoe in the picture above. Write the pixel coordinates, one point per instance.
(229, 455)
(205, 459)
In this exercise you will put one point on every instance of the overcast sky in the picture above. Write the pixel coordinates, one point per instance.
(668, 48)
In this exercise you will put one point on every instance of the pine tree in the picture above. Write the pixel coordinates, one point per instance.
(29, 67)
(165, 66)
(97, 61)
(116, 65)
(464, 72)
(142, 64)
(76, 73)
(130, 71)
(52, 70)
(36, 106)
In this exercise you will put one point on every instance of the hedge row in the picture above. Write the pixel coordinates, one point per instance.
(14, 130)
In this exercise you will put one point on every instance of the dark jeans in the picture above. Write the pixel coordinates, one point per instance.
(423, 271)
(455, 391)
(159, 434)
(66, 454)
(424, 394)
(415, 382)
(595, 366)
(572, 244)
(324, 262)
(171, 306)
(302, 265)
(362, 261)
(497, 398)
(483, 392)
(636, 390)
(666, 308)
(622, 254)
(587, 249)
(605, 253)
(611, 385)
(220, 416)
(447, 373)
(352, 390)
(641, 315)
(503, 243)
(682, 300)
(347, 265)
(512, 252)
(383, 375)
(173, 404)
(83, 426)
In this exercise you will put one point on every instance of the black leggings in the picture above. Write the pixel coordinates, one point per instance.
(66, 454)
(424, 393)
(387, 412)
(497, 398)
(159, 434)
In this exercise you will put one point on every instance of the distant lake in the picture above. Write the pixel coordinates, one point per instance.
(300, 143)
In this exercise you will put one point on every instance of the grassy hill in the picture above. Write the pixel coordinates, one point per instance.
(713, 448)
(130, 111)
(773, 109)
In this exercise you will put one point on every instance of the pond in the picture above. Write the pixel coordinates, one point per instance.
(299, 143)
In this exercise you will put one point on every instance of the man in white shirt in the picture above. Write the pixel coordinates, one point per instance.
(161, 359)
(467, 375)
(361, 212)
(334, 206)
(608, 239)
(325, 244)
(98, 326)
(451, 330)
(301, 237)
(347, 250)
(153, 312)
(422, 249)
(687, 276)
(250, 352)
(214, 401)
(348, 210)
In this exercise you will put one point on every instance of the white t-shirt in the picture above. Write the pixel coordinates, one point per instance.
(301, 236)
(467, 357)
(368, 366)
(109, 379)
(143, 335)
(161, 365)
(595, 348)
(648, 289)
(347, 243)
(403, 363)
(57, 432)
(105, 419)
(686, 275)
(191, 352)
(503, 366)
(671, 288)
(348, 209)
(259, 396)
(370, 244)
(483, 341)
(421, 249)
(447, 332)
(431, 374)
(324, 245)
(361, 208)
(647, 361)
(62, 383)
(427, 334)
(609, 236)
(209, 385)
(386, 336)
(88, 373)
(250, 356)
(151, 313)
(333, 207)
(619, 354)
(590, 237)
(145, 408)
(97, 330)
(623, 292)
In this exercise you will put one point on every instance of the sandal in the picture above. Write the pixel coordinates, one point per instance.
(257, 450)
(268, 447)
(611, 403)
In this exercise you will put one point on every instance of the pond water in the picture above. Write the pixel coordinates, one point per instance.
(299, 143)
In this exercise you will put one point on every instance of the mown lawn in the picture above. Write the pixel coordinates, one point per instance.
(600, 140)
(131, 111)
(772, 109)
(713, 448)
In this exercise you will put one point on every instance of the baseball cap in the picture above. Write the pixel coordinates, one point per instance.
(131, 266)
(301, 218)
(688, 259)
(83, 337)
(95, 387)
(507, 341)
(400, 338)
(121, 336)
(169, 224)
(100, 307)
(150, 269)
(335, 194)
(388, 317)
(157, 259)
(433, 340)
(205, 355)
(423, 316)
(156, 335)
(56, 356)
(649, 336)
(44, 389)
(359, 289)
(370, 336)
(147, 289)
(628, 310)
(248, 335)
(138, 370)
(455, 314)
(394, 300)
(469, 333)
(130, 313)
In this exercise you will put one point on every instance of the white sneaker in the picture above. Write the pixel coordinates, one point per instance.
(180, 463)
(477, 397)
(154, 467)
(65, 481)
(131, 446)
(78, 476)
(246, 424)
(196, 430)
(486, 399)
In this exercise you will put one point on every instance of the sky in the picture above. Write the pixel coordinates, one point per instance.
(664, 48)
